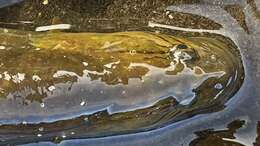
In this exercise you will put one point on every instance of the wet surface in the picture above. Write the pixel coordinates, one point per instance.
(219, 137)
(173, 123)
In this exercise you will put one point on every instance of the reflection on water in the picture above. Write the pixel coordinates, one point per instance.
(223, 137)
(219, 137)
(126, 78)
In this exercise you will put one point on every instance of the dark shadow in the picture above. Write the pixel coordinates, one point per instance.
(218, 137)
(257, 140)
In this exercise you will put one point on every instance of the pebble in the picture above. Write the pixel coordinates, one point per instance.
(51, 88)
(39, 135)
(2, 47)
(85, 63)
(83, 103)
(218, 86)
(42, 105)
(41, 129)
(45, 2)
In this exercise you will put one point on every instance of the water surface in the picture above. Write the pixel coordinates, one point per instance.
(158, 90)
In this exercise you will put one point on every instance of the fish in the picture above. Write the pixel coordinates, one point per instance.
(58, 76)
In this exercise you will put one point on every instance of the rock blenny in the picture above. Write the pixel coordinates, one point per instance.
(112, 83)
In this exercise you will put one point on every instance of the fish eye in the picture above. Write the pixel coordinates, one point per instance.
(193, 54)
(181, 46)
(186, 54)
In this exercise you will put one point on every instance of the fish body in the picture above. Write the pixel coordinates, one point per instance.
(46, 77)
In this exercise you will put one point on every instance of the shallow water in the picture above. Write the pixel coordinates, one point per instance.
(168, 97)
